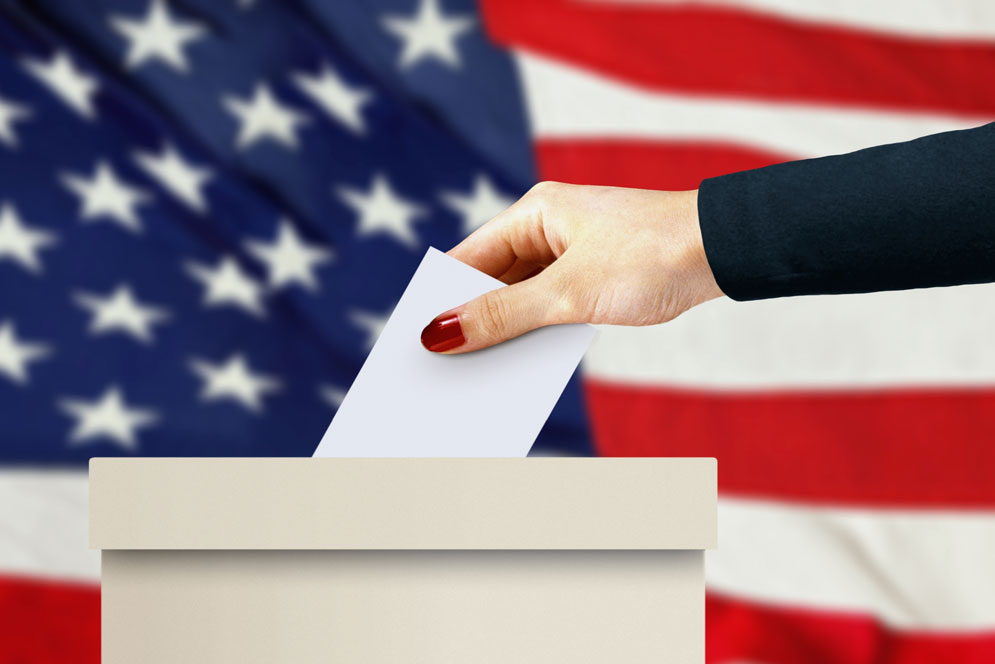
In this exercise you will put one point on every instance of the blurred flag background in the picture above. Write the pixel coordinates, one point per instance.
(207, 209)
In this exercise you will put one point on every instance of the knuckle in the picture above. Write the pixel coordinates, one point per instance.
(562, 306)
(543, 190)
(493, 315)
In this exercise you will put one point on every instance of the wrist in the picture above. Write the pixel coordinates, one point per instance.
(694, 263)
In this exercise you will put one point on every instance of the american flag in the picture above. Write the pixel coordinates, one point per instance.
(209, 208)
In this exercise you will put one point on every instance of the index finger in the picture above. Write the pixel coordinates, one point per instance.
(514, 235)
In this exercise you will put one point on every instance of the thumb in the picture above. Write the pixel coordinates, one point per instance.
(493, 317)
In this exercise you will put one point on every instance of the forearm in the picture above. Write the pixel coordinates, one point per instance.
(907, 215)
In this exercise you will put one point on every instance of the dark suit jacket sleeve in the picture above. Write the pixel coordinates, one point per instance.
(907, 215)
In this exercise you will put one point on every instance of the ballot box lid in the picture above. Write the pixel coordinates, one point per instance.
(445, 504)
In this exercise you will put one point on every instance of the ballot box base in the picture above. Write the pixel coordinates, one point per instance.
(431, 607)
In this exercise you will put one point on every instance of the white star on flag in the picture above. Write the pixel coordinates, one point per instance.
(106, 196)
(428, 34)
(331, 395)
(20, 242)
(263, 116)
(178, 177)
(9, 114)
(120, 311)
(108, 417)
(382, 210)
(228, 284)
(158, 36)
(479, 206)
(234, 380)
(371, 323)
(16, 354)
(289, 259)
(71, 85)
(331, 92)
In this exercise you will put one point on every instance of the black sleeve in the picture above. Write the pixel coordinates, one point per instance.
(908, 215)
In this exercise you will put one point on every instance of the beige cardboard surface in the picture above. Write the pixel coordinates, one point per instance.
(411, 607)
(307, 503)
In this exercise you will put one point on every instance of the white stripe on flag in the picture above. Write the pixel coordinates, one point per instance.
(570, 102)
(911, 569)
(919, 570)
(961, 19)
(43, 525)
(931, 337)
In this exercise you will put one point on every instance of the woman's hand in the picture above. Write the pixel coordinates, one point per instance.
(579, 254)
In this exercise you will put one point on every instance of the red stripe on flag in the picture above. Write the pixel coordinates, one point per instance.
(643, 163)
(741, 631)
(49, 621)
(930, 448)
(750, 54)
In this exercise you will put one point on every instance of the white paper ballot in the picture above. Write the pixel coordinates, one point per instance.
(408, 402)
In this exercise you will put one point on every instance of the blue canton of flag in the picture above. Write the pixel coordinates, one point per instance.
(207, 211)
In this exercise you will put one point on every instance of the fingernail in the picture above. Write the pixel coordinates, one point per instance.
(443, 333)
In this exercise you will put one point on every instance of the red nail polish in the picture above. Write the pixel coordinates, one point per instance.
(443, 333)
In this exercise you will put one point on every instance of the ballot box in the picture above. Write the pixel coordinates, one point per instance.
(427, 561)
